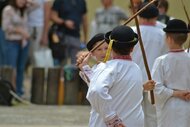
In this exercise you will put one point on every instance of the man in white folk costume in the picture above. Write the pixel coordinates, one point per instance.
(171, 73)
(153, 39)
(115, 90)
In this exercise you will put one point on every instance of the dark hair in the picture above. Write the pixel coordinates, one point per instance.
(14, 5)
(122, 50)
(164, 4)
(179, 38)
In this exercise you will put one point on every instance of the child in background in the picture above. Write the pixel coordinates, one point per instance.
(171, 73)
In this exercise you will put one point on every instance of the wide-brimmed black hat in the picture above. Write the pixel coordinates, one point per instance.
(176, 26)
(122, 36)
(94, 40)
(150, 12)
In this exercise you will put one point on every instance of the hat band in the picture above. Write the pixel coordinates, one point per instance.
(134, 40)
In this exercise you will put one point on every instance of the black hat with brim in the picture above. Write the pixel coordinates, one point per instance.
(94, 40)
(122, 36)
(176, 26)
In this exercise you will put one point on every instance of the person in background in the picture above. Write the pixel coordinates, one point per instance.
(163, 9)
(3, 3)
(171, 73)
(15, 26)
(69, 16)
(137, 4)
(38, 26)
(107, 17)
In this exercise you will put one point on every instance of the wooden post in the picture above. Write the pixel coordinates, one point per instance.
(83, 92)
(8, 74)
(37, 89)
(71, 78)
(53, 81)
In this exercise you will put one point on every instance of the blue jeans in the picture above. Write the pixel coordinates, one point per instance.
(17, 57)
(2, 48)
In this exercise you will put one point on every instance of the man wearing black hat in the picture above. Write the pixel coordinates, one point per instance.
(153, 39)
(171, 72)
(115, 90)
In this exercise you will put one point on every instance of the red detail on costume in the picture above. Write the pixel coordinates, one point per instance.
(124, 57)
(176, 50)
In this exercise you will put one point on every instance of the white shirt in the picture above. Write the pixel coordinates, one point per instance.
(107, 19)
(160, 25)
(154, 44)
(36, 17)
(116, 88)
(172, 71)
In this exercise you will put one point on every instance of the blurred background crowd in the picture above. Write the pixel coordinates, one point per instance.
(49, 33)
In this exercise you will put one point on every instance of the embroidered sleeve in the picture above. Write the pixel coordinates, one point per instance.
(87, 71)
(114, 122)
(162, 92)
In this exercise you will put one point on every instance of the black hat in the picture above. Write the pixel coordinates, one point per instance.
(123, 36)
(176, 26)
(94, 40)
(150, 12)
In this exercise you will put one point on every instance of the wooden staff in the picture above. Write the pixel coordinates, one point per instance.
(143, 52)
(185, 10)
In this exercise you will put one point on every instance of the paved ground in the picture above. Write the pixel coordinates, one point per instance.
(44, 116)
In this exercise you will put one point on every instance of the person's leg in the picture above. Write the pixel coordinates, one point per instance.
(35, 37)
(21, 63)
(2, 48)
(74, 48)
(11, 50)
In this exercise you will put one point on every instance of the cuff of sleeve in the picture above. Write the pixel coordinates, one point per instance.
(170, 92)
(113, 122)
(86, 68)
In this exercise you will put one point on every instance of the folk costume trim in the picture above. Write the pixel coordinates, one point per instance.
(124, 57)
(176, 50)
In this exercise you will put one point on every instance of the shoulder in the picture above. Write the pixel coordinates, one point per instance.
(117, 9)
(161, 59)
(8, 9)
(160, 25)
(99, 10)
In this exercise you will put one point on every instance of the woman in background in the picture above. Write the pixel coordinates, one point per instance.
(14, 24)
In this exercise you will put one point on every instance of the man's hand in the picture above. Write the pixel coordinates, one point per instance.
(182, 94)
(149, 85)
(83, 59)
(120, 125)
(69, 24)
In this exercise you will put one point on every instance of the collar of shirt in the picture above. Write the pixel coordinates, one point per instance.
(124, 57)
(176, 50)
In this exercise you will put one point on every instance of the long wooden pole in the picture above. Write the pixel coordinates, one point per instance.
(185, 10)
(143, 52)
